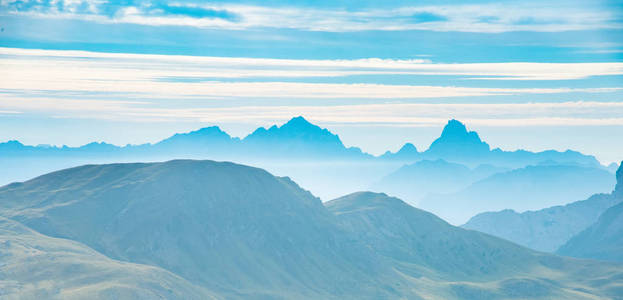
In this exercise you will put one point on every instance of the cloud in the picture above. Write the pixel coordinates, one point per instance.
(147, 67)
(489, 17)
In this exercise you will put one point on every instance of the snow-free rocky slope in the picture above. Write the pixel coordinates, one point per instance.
(603, 239)
(240, 232)
(549, 228)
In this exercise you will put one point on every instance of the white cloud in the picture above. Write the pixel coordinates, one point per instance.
(78, 84)
(500, 17)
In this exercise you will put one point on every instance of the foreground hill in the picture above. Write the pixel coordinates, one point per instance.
(529, 188)
(546, 229)
(604, 239)
(34, 266)
(462, 263)
(235, 229)
(240, 232)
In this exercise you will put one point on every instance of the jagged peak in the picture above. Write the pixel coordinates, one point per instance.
(298, 121)
(454, 127)
(455, 134)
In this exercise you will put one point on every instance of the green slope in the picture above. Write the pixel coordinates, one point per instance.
(452, 262)
(235, 229)
(34, 266)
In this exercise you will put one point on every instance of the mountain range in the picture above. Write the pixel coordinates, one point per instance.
(529, 188)
(550, 228)
(199, 229)
(413, 182)
(603, 239)
(313, 156)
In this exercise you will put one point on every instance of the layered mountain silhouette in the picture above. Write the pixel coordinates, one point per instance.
(414, 181)
(547, 229)
(529, 188)
(313, 156)
(603, 239)
(207, 228)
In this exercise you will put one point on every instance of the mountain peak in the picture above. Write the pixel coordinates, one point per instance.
(456, 140)
(408, 148)
(454, 128)
(298, 122)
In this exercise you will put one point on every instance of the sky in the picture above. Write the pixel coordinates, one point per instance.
(533, 75)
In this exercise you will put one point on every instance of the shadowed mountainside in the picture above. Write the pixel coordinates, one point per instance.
(240, 232)
(34, 266)
(603, 239)
(546, 229)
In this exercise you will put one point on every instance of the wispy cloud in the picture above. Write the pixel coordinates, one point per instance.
(79, 84)
(71, 73)
(501, 17)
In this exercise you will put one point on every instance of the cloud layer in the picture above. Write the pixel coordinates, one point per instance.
(487, 17)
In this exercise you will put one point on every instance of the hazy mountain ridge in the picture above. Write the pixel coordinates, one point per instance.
(546, 229)
(529, 188)
(414, 181)
(242, 233)
(603, 239)
(313, 156)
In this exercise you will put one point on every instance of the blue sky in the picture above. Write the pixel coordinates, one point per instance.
(533, 75)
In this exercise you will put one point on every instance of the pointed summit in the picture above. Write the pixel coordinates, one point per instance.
(207, 136)
(297, 137)
(298, 122)
(454, 128)
(457, 142)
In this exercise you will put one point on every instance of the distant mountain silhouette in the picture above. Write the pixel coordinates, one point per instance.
(529, 188)
(408, 152)
(414, 181)
(603, 239)
(313, 156)
(298, 138)
(457, 143)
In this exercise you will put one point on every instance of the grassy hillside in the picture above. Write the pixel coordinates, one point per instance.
(34, 266)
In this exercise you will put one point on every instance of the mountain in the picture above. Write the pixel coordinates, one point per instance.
(236, 230)
(239, 232)
(459, 145)
(298, 138)
(456, 143)
(467, 264)
(35, 266)
(546, 229)
(529, 188)
(414, 181)
(208, 140)
(313, 156)
(408, 152)
(604, 239)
